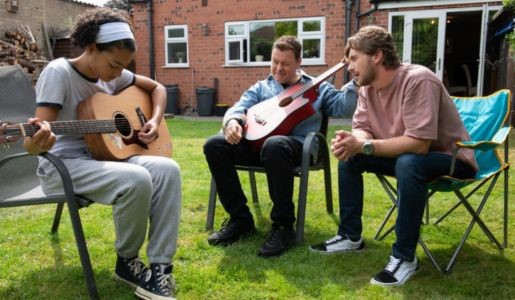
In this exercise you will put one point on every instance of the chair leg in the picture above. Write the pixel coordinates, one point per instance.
(253, 187)
(391, 192)
(430, 255)
(57, 218)
(506, 187)
(83, 251)
(383, 224)
(211, 206)
(73, 210)
(301, 207)
(328, 189)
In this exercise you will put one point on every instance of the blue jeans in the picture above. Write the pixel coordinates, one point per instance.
(413, 172)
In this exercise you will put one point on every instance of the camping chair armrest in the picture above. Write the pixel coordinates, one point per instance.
(498, 139)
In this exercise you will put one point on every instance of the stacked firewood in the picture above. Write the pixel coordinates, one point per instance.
(19, 47)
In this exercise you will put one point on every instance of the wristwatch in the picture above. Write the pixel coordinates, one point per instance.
(367, 148)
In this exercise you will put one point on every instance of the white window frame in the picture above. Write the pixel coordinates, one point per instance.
(484, 8)
(245, 38)
(240, 38)
(309, 35)
(168, 40)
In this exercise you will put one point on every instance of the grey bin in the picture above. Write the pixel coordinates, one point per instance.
(205, 98)
(172, 99)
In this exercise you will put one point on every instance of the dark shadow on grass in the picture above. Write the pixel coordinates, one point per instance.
(481, 271)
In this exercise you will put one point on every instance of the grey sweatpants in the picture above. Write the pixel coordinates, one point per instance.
(142, 189)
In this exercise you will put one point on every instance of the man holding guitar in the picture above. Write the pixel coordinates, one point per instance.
(279, 153)
(140, 187)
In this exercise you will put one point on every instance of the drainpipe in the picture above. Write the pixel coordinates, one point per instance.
(348, 11)
(358, 12)
(368, 12)
(150, 26)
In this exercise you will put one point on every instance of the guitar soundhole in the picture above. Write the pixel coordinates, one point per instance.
(123, 125)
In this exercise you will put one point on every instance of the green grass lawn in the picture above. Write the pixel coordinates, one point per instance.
(36, 265)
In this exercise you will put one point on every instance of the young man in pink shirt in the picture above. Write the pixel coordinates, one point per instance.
(404, 126)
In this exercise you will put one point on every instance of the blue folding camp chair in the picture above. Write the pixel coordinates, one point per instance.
(487, 122)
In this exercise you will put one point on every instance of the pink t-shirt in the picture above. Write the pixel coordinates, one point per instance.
(417, 105)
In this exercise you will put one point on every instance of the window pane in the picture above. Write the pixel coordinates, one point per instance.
(176, 33)
(263, 35)
(425, 33)
(236, 30)
(311, 48)
(261, 38)
(398, 33)
(285, 28)
(177, 53)
(234, 50)
(311, 26)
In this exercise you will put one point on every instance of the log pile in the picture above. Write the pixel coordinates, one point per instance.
(19, 47)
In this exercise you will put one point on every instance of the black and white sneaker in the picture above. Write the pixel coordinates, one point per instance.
(157, 284)
(130, 270)
(339, 244)
(396, 272)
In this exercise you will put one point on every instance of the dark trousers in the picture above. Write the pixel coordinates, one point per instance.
(413, 172)
(279, 155)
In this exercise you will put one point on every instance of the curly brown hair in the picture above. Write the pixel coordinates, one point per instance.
(369, 40)
(88, 25)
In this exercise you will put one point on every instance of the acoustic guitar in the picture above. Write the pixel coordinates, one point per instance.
(110, 124)
(278, 115)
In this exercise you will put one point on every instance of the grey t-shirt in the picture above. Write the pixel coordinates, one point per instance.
(63, 86)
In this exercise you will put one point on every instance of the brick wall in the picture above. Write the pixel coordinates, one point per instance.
(206, 53)
(57, 14)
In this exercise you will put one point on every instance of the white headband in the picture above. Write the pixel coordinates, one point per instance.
(113, 31)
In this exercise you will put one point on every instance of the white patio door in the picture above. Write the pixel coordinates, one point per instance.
(420, 37)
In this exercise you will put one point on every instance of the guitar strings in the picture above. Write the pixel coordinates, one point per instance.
(72, 126)
(294, 96)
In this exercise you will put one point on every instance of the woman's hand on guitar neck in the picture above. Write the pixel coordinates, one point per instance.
(233, 132)
(42, 140)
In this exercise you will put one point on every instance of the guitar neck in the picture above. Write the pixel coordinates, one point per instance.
(318, 80)
(65, 127)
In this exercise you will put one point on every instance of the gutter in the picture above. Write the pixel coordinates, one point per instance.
(150, 26)
(368, 12)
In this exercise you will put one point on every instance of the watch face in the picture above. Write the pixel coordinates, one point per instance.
(368, 148)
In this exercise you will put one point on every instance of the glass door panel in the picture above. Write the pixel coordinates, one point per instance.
(419, 37)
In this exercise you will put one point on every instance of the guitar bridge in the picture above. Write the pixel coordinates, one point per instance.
(259, 119)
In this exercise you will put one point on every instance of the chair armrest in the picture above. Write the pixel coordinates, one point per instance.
(69, 192)
(63, 173)
(13, 156)
(498, 139)
(312, 140)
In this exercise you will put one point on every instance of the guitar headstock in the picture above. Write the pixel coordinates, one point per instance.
(7, 138)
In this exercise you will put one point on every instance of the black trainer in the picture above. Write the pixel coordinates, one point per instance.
(279, 239)
(157, 284)
(130, 270)
(231, 231)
